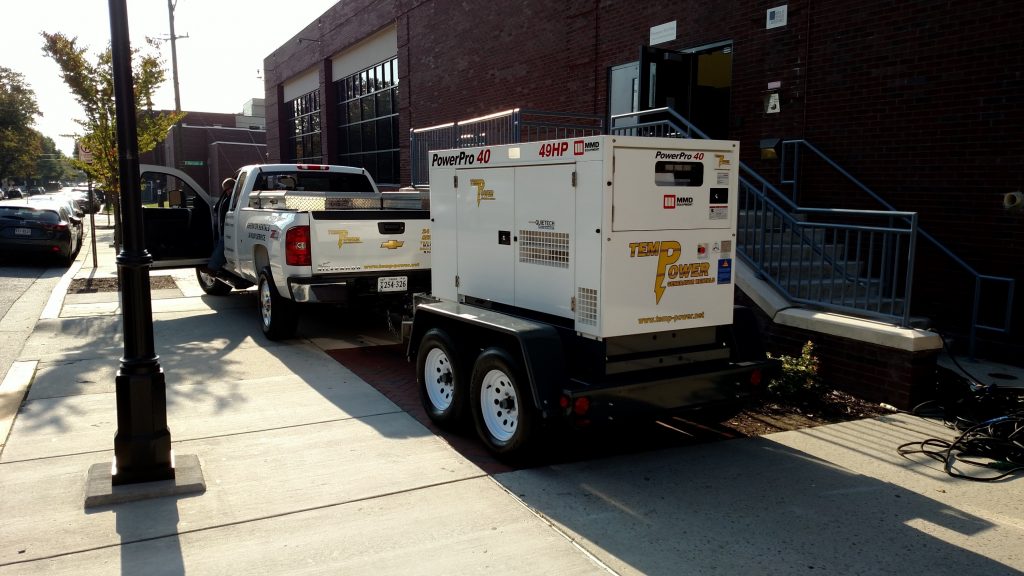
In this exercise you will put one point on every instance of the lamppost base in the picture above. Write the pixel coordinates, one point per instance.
(100, 490)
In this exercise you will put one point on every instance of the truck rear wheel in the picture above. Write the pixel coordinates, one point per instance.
(277, 314)
(210, 284)
(440, 378)
(502, 409)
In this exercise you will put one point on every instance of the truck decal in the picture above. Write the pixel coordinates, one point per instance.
(392, 244)
(344, 238)
(425, 241)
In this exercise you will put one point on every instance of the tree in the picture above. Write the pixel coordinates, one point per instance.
(51, 164)
(19, 143)
(18, 107)
(92, 84)
(19, 150)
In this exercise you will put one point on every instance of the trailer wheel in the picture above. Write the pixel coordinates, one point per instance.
(278, 319)
(440, 379)
(210, 284)
(502, 409)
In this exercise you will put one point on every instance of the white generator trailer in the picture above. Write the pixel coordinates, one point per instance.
(582, 279)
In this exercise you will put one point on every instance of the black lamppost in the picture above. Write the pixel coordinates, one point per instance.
(142, 444)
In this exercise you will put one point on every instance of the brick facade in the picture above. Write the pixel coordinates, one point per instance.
(922, 101)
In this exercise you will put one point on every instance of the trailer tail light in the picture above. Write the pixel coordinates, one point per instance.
(296, 247)
(755, 377)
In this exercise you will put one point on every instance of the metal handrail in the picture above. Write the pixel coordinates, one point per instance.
(793, 180)
(781, 230)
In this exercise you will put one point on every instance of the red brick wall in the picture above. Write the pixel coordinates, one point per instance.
(875, 373)
(922, 101)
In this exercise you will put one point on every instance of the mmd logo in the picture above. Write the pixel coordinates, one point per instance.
(579, 147)
(669, 202)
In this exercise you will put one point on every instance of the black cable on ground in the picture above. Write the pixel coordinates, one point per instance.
(990, 421)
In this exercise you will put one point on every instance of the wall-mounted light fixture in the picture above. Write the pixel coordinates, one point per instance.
(769, 148)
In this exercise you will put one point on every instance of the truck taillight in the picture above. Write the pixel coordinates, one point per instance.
(312, 167)
(296, 246)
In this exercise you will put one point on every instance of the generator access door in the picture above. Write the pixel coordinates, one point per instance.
(485, 216)
(545, 220)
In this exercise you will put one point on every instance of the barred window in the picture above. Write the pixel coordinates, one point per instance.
(367, 129)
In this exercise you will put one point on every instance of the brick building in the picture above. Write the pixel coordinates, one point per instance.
(210, 146)
(922, 102)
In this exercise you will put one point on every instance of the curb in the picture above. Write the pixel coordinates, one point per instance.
(12, 392)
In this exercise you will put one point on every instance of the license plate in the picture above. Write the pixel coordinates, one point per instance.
(22, 231)
(393, 284)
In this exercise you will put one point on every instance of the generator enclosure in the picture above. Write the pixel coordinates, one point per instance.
(616, 235)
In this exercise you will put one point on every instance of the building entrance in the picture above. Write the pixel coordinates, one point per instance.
(696, 83)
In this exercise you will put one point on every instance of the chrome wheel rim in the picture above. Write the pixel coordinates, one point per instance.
(439, 379)
(499, 405)
(265, 304)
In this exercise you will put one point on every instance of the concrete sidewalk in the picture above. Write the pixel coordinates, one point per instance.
(311, 470)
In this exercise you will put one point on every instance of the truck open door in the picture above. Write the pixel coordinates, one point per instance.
(177, 218)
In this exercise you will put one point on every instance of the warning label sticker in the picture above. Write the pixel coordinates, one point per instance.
(718, 213)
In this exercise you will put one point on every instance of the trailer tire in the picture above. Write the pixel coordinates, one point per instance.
(210, 284)
(503, 410)
(440, 378)
(278, 319)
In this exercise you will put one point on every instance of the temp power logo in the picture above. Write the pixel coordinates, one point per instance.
(669, 272)
(344, 238)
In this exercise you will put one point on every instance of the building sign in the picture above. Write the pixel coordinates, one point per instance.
(193, 162)
(663, 33)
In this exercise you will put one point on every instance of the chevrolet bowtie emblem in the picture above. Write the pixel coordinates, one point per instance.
(392, 244)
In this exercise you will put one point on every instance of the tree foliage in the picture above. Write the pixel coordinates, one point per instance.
(18, 107)
(20, 145)
(92, 84)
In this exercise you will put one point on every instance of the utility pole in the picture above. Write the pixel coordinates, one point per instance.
(174, 56)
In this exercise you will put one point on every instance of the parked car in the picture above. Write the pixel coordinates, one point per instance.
(81, 198)
(39, 228)
(59, 198)
(14, 193)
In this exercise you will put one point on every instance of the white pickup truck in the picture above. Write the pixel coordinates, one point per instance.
(301, 233)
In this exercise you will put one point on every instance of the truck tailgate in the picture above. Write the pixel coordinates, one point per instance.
(377, 241)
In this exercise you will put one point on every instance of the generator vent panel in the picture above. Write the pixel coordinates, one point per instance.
(586, 306)
(544, 248)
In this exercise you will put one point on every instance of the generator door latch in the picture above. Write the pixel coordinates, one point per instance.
(505, 237)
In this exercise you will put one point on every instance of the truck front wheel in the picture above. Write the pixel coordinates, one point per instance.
(210, 284)
(440, 378)
(277, 314)
(502, 409)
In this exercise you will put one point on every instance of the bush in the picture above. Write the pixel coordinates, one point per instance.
(799, 376)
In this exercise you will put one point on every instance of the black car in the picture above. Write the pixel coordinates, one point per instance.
(39, 229)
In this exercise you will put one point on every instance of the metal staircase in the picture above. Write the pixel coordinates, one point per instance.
(858, 262)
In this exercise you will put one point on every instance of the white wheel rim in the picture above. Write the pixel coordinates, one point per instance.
(265, 304)
(439, 379)
(499, 405)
